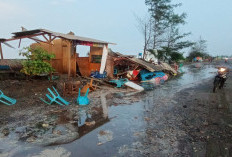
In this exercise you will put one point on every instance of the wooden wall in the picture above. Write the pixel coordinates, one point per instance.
(95, 51)
(85, 65)
(64, 58)
(110, 66)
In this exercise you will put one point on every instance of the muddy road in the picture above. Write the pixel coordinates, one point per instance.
(181, 117)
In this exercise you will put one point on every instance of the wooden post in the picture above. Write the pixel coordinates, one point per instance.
(104, 58)
(1, 50)
(69, 59)
(50, 50)
(19, 43)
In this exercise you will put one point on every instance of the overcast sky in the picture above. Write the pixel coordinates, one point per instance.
(114, 21)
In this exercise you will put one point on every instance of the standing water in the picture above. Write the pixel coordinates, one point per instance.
(124, 124)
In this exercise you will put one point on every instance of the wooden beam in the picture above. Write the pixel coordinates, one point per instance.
(19, 43)
(1, 50)
(50, 51)
(38, 40)
(53, 38)
(69, 60)
(26, 36)
(45, 37)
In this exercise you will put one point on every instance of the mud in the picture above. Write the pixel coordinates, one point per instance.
(181, 117)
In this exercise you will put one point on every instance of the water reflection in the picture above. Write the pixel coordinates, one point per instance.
(90, 119)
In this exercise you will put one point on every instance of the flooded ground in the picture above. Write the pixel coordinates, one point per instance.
(171, 119)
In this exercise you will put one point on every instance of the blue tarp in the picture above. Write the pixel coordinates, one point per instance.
(146, 75)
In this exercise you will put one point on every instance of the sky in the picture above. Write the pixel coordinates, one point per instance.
(113, 21)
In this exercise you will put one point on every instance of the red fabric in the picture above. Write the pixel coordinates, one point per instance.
(85, 43)
(135, 73)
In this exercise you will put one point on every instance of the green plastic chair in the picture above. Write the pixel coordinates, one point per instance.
(55, 98)
(6, 100)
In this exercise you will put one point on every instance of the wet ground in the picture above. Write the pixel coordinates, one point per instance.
(181, 117)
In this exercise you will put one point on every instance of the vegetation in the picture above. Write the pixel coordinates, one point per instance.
(199, 49)
(162, 30)
(37, 61)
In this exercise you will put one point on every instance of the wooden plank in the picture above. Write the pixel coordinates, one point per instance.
(50, 50)
(83, 65)
(38, 40)
(45, 38)
(19, 43)
(53, 38)
(69, 59)
(100, 81)
(104, 58)
(1, 50)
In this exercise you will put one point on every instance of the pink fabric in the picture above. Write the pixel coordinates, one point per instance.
(165, 77)
(157, 80)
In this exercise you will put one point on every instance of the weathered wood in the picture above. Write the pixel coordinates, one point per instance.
(38, 40)
(19, 43)
(104, 58)
(53, 38)
(1, 51)
(45, 38)
(26, 36)
(69, 59)
(100, 81)
(50, 50)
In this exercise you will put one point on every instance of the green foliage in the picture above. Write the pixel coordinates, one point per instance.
(169, 54)
(198, 49)
(37, 61)
(160, 11)
(176, 56)
(166, 35)
(194, 54)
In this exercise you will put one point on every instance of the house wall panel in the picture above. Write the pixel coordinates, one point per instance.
(83, 64)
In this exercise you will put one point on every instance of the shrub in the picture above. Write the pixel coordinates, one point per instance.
(37, 61)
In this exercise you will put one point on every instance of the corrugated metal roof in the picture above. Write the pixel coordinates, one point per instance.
(61, 35)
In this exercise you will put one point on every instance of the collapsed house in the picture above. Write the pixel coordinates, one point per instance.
(101, 61)
(125, 63)
(67, 60)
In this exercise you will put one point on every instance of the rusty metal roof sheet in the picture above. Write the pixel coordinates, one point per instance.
(61, 35)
